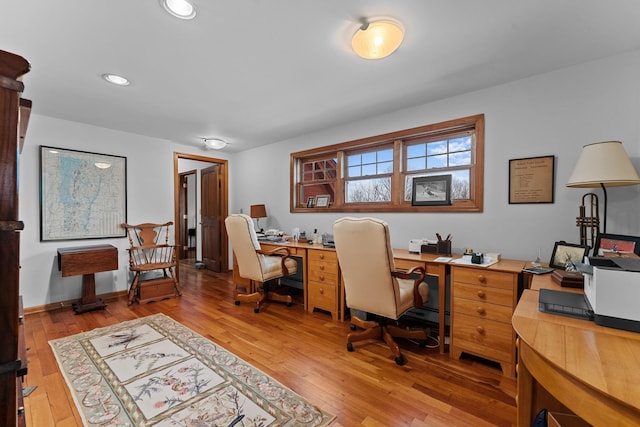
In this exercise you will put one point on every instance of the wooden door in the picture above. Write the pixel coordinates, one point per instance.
(212, 217)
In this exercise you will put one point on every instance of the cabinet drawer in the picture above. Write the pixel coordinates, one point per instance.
(498, 313)
(320, 255)
(484, 294)
(405, 264)
(497, 279)
(323, 266)
(322, 276)
(323, 296)
(482, 337)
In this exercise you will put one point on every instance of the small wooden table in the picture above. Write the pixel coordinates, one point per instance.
(86, 261)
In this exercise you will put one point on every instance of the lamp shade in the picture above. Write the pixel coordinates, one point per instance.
(603, 164)
(258, 211)
(377, 39)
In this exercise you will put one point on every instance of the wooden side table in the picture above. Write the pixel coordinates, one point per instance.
(86, 261)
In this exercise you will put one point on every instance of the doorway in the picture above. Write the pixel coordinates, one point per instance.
(192, 235)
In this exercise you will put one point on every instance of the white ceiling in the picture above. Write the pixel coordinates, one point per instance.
(254, 72)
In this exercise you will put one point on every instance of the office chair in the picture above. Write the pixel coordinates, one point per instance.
(372, 284)
(259, 266)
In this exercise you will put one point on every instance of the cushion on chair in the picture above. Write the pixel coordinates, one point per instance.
(245, 243)
(272, 266)
(364, 252)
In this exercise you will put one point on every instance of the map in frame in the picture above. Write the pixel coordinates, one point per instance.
(82, 195)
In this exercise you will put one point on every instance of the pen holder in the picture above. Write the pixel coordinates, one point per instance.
(442, 247)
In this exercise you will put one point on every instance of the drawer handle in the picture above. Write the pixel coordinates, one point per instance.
(480, 329)
(480, 310)
(321, 256)
(321, 291)
(322, 267)
(482, 279)
(481, 294)
(322, 278)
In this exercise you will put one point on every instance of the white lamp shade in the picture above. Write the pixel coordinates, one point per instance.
(377, 39)
(604, 163)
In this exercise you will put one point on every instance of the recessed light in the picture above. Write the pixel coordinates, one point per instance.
(116, 79)
(179, 8)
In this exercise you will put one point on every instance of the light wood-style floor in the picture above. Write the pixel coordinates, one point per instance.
(305, 352)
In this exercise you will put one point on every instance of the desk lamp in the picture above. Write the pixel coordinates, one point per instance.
(603, 164)
(257, 212)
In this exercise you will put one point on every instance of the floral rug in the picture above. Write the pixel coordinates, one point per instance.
(155, 372)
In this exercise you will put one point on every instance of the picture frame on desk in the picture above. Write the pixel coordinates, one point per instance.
(311, 201)
(616, 245)
(322, 201)
(434, 190)
(565, 253)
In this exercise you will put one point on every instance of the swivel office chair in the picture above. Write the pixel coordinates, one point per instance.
(260, 267)
(372, 284)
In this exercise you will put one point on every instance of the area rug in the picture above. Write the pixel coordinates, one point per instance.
(154, 371)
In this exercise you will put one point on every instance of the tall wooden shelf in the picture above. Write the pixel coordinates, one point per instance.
(12, 68)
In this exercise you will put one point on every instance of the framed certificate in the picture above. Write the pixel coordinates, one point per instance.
(532, 180)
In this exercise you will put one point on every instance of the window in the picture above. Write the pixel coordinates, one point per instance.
(376, 174)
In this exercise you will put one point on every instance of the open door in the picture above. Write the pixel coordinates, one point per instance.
(212, 218)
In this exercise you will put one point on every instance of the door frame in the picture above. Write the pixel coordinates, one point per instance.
(225, 199)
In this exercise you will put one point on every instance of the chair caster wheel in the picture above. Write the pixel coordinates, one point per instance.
(289, 304)
(352, 327)
(400, 361)
(349, 347)
(237, 302)
(256, 310)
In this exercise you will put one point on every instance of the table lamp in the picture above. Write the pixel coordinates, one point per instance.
(603, 164)
(257, 212)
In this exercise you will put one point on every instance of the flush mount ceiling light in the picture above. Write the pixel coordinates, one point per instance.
(116, 79)
(215, 143)
(377, 39)
(179, 8)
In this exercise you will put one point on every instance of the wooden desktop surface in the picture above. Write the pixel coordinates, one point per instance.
(592, 370)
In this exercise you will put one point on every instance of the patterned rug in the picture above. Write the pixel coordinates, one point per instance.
(155, 372)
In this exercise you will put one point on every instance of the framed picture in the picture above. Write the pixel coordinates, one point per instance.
(532, 180)
(431, 190)
(616, 244)
(311, 202)
(565, 254)
(82, 195)
(322, 201)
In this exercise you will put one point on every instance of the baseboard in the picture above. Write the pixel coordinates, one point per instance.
(111, 296)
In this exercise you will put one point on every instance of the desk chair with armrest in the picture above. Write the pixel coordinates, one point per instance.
(373, 285)
(259, 266)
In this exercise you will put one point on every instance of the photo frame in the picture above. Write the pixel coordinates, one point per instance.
(311, 201)
(532, 180)
(431, 190)
(564, 253)
(83, 195)
(616, 244)
(322, 201)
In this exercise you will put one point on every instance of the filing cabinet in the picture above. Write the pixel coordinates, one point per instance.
(324, 285)
(483, 301)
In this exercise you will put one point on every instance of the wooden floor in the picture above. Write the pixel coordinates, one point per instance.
(305, 352)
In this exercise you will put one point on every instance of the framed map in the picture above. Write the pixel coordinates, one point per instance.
(82, 195)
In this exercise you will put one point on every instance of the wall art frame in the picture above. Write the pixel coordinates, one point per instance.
(532, 180)
(616, 245)
(432, 190)
(83, 195)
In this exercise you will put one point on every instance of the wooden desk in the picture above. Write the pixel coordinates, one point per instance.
(86, 261)
(566, 363)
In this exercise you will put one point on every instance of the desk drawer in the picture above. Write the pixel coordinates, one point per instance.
(327, 275)
(484, 294)
(321, 255)
(292, 250)
(476, 276)
(405, 264)
(483, 337)
(498, 313)
(323, 296)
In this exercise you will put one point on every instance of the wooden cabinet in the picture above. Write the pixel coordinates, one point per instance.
(324, 285)
(12, 67)
(483, 300)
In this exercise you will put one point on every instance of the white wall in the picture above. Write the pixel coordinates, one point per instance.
(551, 114)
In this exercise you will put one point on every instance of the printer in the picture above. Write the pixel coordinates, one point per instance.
(613, 292)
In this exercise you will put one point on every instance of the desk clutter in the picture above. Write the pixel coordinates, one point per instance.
(425, 246)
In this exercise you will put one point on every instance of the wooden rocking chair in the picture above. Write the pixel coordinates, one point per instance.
(150, 251)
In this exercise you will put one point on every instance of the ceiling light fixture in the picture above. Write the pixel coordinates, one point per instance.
(214, 143)
(179, 8)
(377, 39)
(116, 79)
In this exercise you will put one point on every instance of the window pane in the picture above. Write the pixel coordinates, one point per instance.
(417, 150)
(313, 190)
(460, 185)
(386, 167)
(437, 161)
(436, 148)
(458, 159)
(460, 144)
(354, 171)
(368, 170)
(416, 164)
(385, 155)
(368, 190)
(368, 157)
